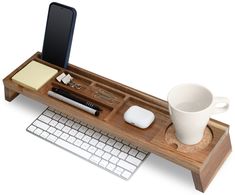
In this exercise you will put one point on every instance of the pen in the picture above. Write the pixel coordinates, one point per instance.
(72, 97)
(73, 103)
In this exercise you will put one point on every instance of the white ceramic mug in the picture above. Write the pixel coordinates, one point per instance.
(190, 107)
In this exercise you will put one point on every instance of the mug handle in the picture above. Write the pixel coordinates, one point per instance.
(220, 109)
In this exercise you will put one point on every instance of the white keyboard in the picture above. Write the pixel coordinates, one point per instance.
(86, 141)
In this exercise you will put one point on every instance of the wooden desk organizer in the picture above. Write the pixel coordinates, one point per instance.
(115, 98)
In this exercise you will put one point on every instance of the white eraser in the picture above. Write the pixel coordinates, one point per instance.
(60, 77)
(139, 117)
(67, 79)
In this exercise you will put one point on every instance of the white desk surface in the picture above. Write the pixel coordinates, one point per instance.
(148, 45)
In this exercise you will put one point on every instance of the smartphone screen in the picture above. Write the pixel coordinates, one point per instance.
(59, 33)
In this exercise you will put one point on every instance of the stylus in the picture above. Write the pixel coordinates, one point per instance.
(72, 97)
(73, 103)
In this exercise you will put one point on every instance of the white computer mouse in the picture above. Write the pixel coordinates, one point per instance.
(139, 117)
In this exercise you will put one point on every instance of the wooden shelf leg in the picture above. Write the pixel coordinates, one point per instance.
(205, 176)
(10, 94)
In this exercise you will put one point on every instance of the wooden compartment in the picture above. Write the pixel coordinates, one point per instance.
(84, 94)
(157, 127)
(115, 98)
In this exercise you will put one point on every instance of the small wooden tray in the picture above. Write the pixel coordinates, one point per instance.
(114, 99)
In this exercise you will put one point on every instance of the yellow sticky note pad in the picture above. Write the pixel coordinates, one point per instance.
(34, 75)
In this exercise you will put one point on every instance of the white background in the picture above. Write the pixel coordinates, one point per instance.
(148, 45)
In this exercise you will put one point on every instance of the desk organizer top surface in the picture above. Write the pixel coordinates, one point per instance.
(114, 99)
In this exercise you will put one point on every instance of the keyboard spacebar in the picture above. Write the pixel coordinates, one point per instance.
(73, 148)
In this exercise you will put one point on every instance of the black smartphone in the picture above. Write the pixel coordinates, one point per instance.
(59, 33)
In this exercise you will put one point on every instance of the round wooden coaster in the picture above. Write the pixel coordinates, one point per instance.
(171, 139)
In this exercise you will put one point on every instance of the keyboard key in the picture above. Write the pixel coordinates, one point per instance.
(141, 155)
(78, 142)
(31, 128)
(118, 170)
(73, 132)
(115, 152)
(66, 129)
(125, 148)
(49, 113)
(57, 133)
(64, 136)
(69, 123)
(63, 120)
(38, 131)
(73, 148)
(89, 132)
(56, 117)
(53, 123)
(86, 138)
(79, 135)
(106, 156)
(85, 146)
(97, 129)
(59, 126)
(71, 139)
(133, 160)
(51, 130)
(126, 165)
(126, 174)
(93, 141)
(92, 149)
(104, 138)
(103, 163)
(99, 152)
(122, 155)
(40, 125)
(52, 138)
(96, 135)
(100, 145)
(118, 145)
(95, 159)
(111, 142)
(114, 159)
(111, 166)
(76, 126)
(133, 152)
(44, 119)
(83, 129)
(44, 134)
(51, 109)
(108, 148)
